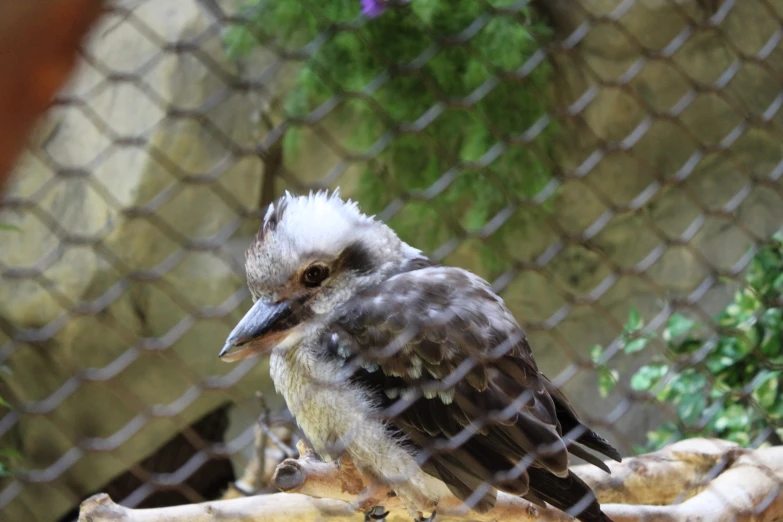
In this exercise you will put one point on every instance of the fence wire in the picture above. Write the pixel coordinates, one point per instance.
(645, 185)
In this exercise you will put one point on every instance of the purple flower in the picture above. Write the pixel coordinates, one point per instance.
(374, 8)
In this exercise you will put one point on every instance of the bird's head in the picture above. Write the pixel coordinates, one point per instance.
(311, 254)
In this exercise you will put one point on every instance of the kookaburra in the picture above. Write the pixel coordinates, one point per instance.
(417, 371)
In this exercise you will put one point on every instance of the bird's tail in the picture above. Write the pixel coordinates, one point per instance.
(567, 494)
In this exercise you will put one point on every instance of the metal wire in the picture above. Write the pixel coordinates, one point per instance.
(617, 174)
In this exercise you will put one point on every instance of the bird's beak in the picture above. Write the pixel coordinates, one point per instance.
(262, 328)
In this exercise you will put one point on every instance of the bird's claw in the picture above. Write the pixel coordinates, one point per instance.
(430, 518)
(375, 513)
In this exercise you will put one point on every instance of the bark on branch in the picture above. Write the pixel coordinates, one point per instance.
(693, 480)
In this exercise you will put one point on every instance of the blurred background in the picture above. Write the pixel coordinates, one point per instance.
(612, 167)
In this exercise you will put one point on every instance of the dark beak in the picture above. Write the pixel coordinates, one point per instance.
(262, 328)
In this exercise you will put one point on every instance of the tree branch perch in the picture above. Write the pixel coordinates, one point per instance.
(693, 480)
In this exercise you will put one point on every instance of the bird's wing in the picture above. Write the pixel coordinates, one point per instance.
(453, 371)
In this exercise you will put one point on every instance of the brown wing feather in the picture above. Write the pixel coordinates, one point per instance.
(442, 334)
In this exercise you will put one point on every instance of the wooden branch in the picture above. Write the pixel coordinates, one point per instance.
(670, 475)
(750, 490)
(729, 484)
(279, 507)
(267, 455)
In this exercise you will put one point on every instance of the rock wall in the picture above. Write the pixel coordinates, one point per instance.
(692, 121)
(110, 267)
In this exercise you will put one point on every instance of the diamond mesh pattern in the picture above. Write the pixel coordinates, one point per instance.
(137, 197)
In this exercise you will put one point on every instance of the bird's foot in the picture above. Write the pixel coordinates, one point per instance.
(375, 513)
(421, 518)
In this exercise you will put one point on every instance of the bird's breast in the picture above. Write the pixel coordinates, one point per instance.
(333, 415)
(338, 417)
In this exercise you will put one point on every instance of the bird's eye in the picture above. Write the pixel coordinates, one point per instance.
(314, 275)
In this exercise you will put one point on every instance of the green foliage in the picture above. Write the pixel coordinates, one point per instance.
(349, 60)
(9, 461)
(733, 391)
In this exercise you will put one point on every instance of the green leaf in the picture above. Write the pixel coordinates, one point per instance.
(475, 144)
(740, 437)
(776, 411)
(772, 339)
(6, 226)
(475, 218)
(690, 381)
(10, 454)
(690, 408)
(607, 380)
(713, 412)
(732, 348)
(766, 391)
(635, 321)
(687, 345)
(716, 364)
(238, 41)
(678, 325)
(636, 345)
(734, 418)
(425, 10)
(596, 351)
(773, 318)
(777, 284)
(647, 376)
(8, 459)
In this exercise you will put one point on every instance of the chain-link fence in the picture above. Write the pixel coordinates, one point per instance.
(612, 168)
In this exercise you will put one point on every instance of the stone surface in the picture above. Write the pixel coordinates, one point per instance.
(698, 142)
(80, 239)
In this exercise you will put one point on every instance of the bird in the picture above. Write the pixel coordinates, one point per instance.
(417, 371)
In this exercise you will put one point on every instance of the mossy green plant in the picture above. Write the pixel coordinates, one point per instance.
(444, 55)
(725, 385)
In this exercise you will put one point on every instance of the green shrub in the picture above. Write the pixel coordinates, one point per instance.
(726, 385)
(349, 60)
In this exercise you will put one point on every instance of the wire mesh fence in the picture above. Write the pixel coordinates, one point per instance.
(612, 168)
